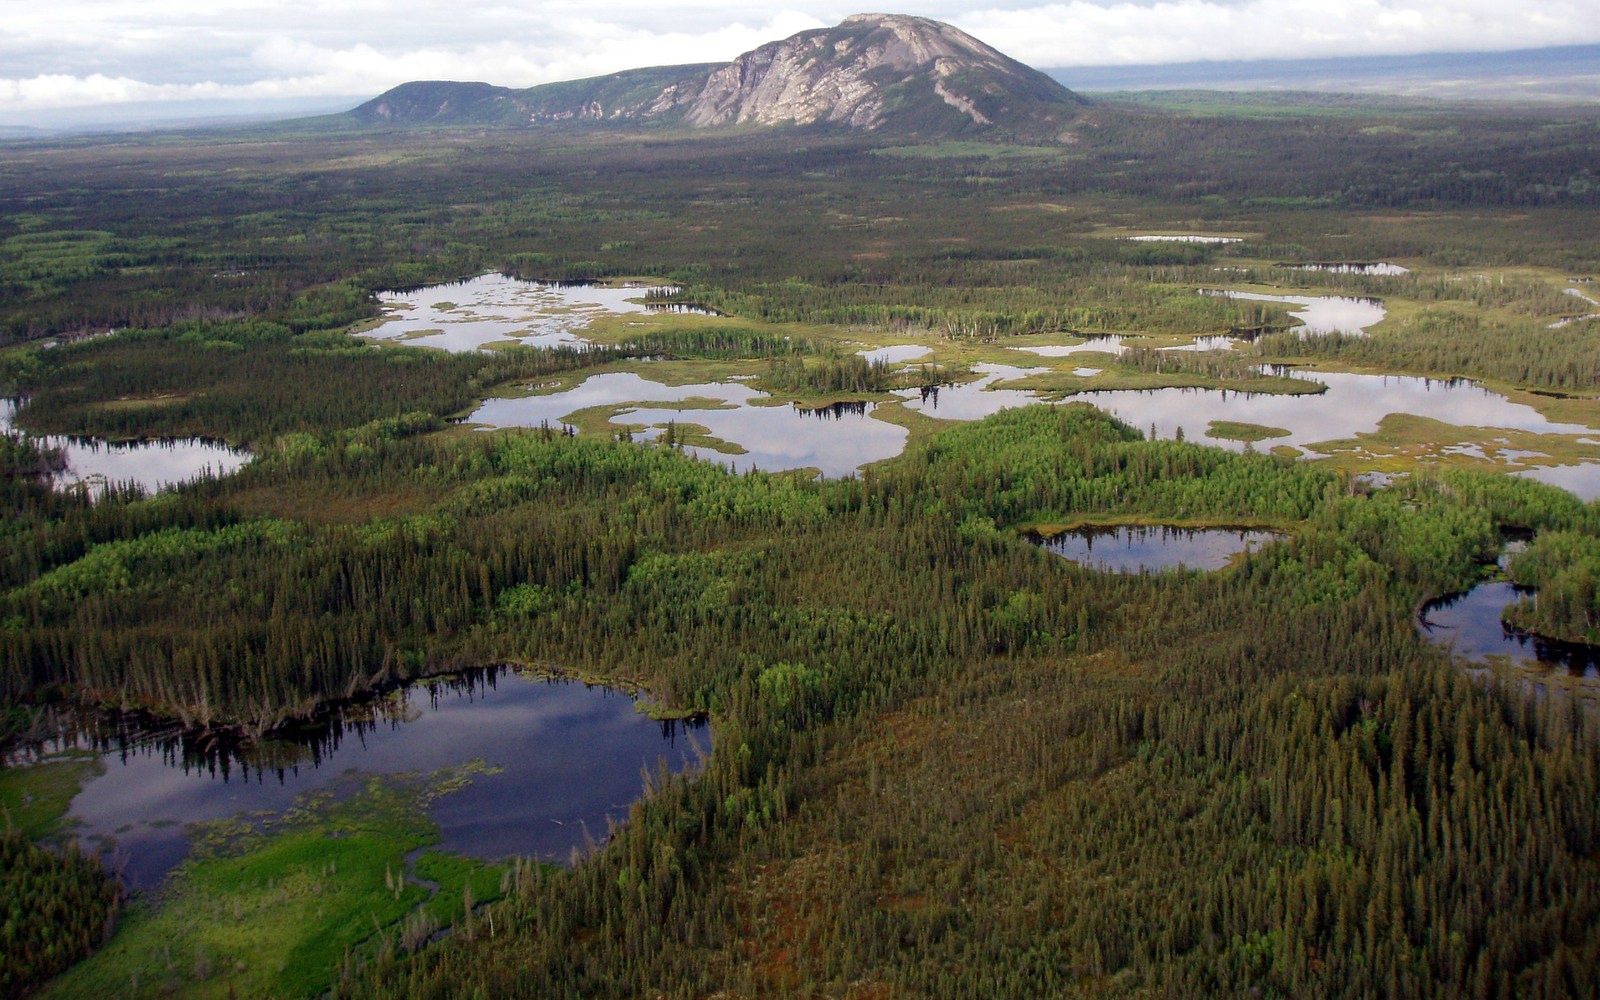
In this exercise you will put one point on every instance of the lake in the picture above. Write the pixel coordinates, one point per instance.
(569, 757)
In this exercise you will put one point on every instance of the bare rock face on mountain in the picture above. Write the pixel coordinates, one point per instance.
(871, 72)
(864, 71)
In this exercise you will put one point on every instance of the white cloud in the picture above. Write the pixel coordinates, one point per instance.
(82, 52)
(1084, 33)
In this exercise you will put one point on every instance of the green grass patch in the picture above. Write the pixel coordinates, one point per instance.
(1233, 430)
(35, 798)
(273, 910)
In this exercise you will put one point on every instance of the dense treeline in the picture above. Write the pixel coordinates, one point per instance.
(1565, 567)
(1331, 787)
(845, 232)
(1453, 343)
(1311, 806)
(948, 763)
(55, 908)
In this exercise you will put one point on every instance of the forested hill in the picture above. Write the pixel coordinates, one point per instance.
(870, 72)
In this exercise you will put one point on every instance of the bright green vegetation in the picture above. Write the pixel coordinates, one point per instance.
(1565, 566)
(35, 799)
(1233, 430)
(948, 764)
(284, 909)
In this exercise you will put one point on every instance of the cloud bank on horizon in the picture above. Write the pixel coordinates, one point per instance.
(77, 53)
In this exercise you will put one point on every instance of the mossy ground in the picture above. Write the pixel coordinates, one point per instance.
(274, 909)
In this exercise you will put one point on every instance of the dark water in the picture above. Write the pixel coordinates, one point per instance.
(1153, 548)
(836, 411)
(570, 757)
(1469, 624)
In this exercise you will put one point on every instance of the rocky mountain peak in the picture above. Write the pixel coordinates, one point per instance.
(870, 71)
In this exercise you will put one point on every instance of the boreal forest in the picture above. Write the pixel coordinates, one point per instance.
(853, 469)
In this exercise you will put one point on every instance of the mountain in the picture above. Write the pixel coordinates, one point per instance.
(869, 72)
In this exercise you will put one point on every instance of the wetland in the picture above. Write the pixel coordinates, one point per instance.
(933, 741)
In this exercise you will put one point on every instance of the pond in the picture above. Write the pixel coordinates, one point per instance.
(1469, 625)
(495, 309)
(1377, 268)
(1569, 320)
(1107, 344)
(96, 464)
(1185, 239)
(569, 756)
(773, 438)
(896, 354)
(1320, 314)
(1152, 548)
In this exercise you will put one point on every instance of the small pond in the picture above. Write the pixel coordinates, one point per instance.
(492, 308)
(896, 354)
(568, 755)
(1185, 239)
(1107, 344)
(1469, 625)
(1379, 268)
(1152, 548)
(153, 465)
(1568, 321)
(1320, 314)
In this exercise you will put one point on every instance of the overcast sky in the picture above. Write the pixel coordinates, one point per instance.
(74, 53)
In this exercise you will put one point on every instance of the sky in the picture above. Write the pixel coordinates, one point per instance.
(72, 54)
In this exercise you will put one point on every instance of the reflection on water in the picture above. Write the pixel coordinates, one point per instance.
(605, 389)
(1470, 625)
(1109, 344)
(837, 411)
(1353, 404)
(1320, 314)
(153, 465)
(1146, 548)
(1379, 269)
(781, 438)
(492, 308)
(569, 757)
(773, 438)
(1185, 239)
(786, 437)
(1583, 481)
(972, 400)
(1217, 343)
(896, 354)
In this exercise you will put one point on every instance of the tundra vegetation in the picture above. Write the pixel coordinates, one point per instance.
(947, 763)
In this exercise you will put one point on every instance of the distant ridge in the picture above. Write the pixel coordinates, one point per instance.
(1562, 73)
(870, 72)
